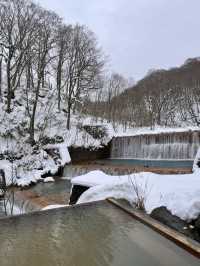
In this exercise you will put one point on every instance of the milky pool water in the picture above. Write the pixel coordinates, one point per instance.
(89, 235)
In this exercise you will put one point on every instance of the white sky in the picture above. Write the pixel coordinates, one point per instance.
(138, 35)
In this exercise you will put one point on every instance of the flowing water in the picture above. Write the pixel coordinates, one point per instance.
(96, 234)
(178, 146)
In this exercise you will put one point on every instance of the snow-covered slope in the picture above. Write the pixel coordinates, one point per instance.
(23, 163)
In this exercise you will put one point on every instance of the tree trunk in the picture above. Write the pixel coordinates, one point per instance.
(159, 118)
(68, 115)
(0, 77)
(32, 118)
(59, 83)
(32, 130)
(28, 77)
(43, 79)
(9, 92)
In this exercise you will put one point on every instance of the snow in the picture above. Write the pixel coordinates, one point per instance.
(179, 193)
(26, 171)
(196, 160)
(63, 152)
(93, 178)
(120, 132)
(55, 206)
(15, 211)
(29, 164)
(48, 179)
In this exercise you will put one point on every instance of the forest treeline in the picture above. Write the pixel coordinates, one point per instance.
(163, 97)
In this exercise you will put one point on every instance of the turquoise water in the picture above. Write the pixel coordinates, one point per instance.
(149, 163)
(93, 235)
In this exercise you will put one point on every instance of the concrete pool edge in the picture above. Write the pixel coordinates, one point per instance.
(188, 244)
(36, 212)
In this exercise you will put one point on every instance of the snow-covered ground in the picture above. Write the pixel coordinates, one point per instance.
(31, 167)
(179, 193)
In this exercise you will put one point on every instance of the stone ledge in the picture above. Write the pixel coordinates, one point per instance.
(179, 239)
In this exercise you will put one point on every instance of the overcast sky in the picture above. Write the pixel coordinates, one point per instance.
(138, 35)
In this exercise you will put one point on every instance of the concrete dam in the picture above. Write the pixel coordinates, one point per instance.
(163, 146)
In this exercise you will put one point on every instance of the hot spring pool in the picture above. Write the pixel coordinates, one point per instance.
(85, 235)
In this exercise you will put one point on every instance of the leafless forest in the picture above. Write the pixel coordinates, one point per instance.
(39, 53)
(163, 97)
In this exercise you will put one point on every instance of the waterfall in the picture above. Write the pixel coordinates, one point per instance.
(176, 145)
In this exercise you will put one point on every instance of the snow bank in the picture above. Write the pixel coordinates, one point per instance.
(179, 193)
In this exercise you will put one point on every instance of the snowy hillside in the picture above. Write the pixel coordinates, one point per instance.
(23, 163)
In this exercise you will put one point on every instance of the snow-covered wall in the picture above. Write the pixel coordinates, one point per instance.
(173, 145)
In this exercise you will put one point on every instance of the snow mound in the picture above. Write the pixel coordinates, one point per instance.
(48, 179)
(178, 193)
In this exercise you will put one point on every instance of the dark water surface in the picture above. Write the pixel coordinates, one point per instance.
(59, 186)
(98, 234)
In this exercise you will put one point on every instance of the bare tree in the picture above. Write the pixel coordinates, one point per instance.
(17, 29)
(40, 58)
(82, 67)
(190, 105)
(62, 45)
